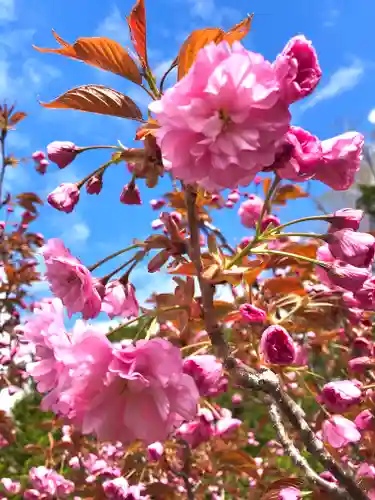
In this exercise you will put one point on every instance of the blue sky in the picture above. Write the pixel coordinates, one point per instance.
(340, 31)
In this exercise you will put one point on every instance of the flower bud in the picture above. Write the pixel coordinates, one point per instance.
(270, 220)
(155, 451)
(357, 249)
(62, 153)
(130, 195)
(94, 184)
(64, 198)
(252, 314)
(250, 211)
(347, 276)
(346, 218)
(338, 396)
(339, 431)
(38, 156)
(207, 373)
(365, 421)
(290, 493)
(157, 204)
(277, 346)
(41, 167)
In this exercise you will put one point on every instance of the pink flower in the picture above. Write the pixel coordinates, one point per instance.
(120, 300)
(70, 280)
(226, 425)
(277, 346)
(365, 296)
(252, 314)
(64, 198)
(298, 68)
(41, 166)
(250, 211)
(234, 196)
(290, 493)
(157, 204)
(340, 395)
(144, 396)
(347, 276)
(155, 451)
(269, 220)
(366, 470)
(94, 184)
(357, 249)
(130, 195)
(339, 431)
(346, 218)
(50, 483)
(198, 431)
(119, 489)
(38, 156)
(227, 115)
(298, 156)
(365, 420)
(207, 373)
(341, 160)
(361, 364)
(62, 153)
(10, 486)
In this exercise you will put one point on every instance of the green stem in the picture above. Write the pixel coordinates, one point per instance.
(288, 254)
(106, 278)
(90, 148)
(95, 172)
(112, 256)
(302, 235)
(303, 219)
(152, 84)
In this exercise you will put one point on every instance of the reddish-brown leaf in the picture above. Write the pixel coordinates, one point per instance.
(237, 459)
(137, 28)
(288, 192)
(273, 491)
(266, 185)
(97, 99)
(28, 201)
(193, 44)
(100, 52)
(16, 118)
(284, 285)
(239, 31)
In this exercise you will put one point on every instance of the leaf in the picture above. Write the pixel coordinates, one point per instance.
(266, 185)
(97, 99)
(256, 267)
(16, 118)
(193, 44)
(137, 28)
(28, 201)
(239, 460)
(284, 285)
(239, 31)
(185, 269)
(100, 52)
(288, 192)
(200, 38)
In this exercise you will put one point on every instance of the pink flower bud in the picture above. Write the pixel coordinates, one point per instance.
(252, 314)
(62, 153)
(270, 220)
(347, 276)
(207, 373)
(357, 249)
(340, 395)
(155, 451)
(41, 167)
(339, 431)
(328, 476)
(250, 211)
(341, 160)
(365, 421)
(197, 431)
(237, 398)
(94, 184)
(290, 493)
(12, 487)
(298, 69)
(38, 156)
(366, 470)
(346, 218)
(120, 300)
(130, 195)
(64, 198)
(234, 196)
(226, 426)
(229, 204)
(157, 204)
(361, 364)
(31, 495)
(277, 346)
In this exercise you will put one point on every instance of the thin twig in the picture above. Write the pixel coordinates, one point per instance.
(3, 165)
(224, 242)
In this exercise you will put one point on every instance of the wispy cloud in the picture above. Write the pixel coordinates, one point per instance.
(7, 10)
(331, 17)
(114, 26)
(210, 11)
(342, 80)
(77, 234)
(371, 116)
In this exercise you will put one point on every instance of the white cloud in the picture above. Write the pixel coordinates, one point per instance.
(209, 11)
(148, 283)
(114, 26)
(331, 17)
(104, 326)
(77, 234)
(7, 10)
(342, 80)
(371, 116)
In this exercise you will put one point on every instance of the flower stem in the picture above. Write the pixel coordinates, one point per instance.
(112, 256)
(288, 254)
(303, 219)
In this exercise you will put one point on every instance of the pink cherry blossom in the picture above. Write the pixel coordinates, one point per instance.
(269, 220)
(145, 394)
(207, 373)
(277, 346)
(227, 115)
(12, 487)
(338, 431)
(252, 314)
(365, 296)
(199, 430)
(120, 300)
(298, 68)
(49, 482)
(250, 211)
(290, 493)
(155, 451)
(341, 160)
(338, 396)
(119, 489)
(71, 281)
(94, 184)
(62, 153)
(357, 249)
(130, 195)
(365, 420)
(64, 198)
(345, 218)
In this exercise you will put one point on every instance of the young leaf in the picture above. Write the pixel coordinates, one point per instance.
(192, 45)
(288, 192)
(97, 99)
(100, 52)
(137, 28)
(239, 31)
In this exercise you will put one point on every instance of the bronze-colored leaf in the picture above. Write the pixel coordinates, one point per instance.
(28, 201)
(193, 44)
(273, 491)
(100, 52)
(239, 460)
(239, 31)
(288, 192)
(137, 28)
(284, 285)
(16, 118)
(97, 99)
(266, 185)
(256, 267)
